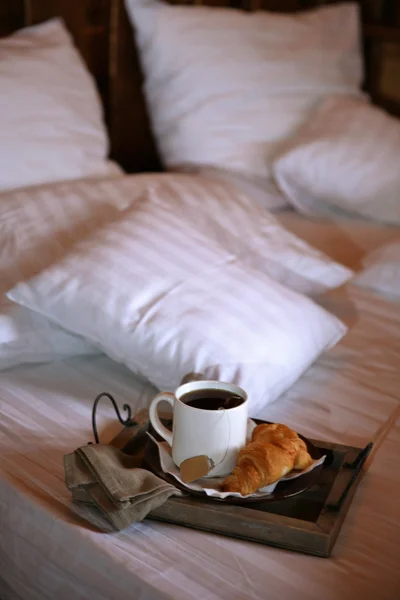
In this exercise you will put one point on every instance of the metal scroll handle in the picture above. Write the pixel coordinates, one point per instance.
(128, 422)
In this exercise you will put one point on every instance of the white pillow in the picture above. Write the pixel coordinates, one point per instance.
(224, 87)
(381, 272)
(263, 192)
(153, 292)
(27, 337)
(345, 158)
(37, 225)
(51, 119)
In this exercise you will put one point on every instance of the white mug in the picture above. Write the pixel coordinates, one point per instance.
(218, 434)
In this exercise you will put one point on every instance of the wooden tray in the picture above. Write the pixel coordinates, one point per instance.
(308, 522)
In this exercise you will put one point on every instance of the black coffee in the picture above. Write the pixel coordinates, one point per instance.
(212, 399)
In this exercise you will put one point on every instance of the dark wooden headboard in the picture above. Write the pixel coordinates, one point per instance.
(106, 41)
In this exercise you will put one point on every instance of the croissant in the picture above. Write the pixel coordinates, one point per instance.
(274, 451)
(303, 460)
(278, 435)
(257, 465)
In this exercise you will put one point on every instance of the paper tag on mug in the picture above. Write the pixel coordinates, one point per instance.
(195, 468)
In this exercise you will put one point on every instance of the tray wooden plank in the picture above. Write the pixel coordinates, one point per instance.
(246, 523)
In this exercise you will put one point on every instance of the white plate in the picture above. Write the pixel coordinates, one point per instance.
(211, 485)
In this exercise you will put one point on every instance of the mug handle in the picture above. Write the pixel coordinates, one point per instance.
(165, 433)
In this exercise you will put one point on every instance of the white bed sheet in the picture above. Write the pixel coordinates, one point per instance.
(346, 240)
(351, 395)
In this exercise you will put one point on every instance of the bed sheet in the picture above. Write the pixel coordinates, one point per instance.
(346, 240)
(350, 395)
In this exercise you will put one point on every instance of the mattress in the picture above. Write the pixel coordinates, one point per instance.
(350, 395)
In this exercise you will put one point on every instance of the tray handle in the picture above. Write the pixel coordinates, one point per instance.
(128, 422)
(357, 465)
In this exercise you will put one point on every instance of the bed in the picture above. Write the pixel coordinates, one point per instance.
(349, 394)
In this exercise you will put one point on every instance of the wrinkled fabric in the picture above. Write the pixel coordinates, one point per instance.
(351, 396)
(46, 550)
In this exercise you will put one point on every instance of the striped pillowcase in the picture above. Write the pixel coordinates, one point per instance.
(38, 225)
(155, 292)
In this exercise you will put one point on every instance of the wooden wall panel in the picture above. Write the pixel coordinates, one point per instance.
(132, 141)
(11, 16)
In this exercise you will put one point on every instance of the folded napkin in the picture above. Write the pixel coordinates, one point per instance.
(102, 477)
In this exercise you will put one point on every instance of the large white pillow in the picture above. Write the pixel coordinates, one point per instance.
(346, 158)
(155, 293)
(51, 121)
(38, 224)
(224, 87)
(26, 338)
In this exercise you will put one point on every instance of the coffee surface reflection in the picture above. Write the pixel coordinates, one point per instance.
(211, 400)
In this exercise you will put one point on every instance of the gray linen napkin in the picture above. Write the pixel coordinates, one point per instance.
(102, 477)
